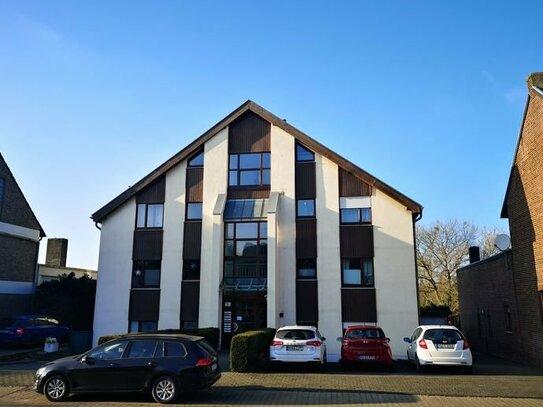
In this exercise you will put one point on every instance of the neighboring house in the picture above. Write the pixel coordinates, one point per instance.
(256, 224)
(501, 298)
(55, 263)
(20, 235)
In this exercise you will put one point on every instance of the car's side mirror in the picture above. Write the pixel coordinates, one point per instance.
(87, 359)
(388, 339)
(323, 338)
(339, 339)
(406, 339)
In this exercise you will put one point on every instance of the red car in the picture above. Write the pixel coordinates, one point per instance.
(365, 345)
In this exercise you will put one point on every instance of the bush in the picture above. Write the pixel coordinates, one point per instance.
(211, 335)
(249, 351)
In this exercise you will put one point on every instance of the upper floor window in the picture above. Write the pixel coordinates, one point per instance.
(149, 215)
(146, 274)
(305, 208)
(197, 160)
(357, 272)
(306, 268)
(303, 154)
(194, 211)
(251, 169)
(355, 215)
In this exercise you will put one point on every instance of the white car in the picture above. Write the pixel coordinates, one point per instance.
(298, 344)
(432, 345)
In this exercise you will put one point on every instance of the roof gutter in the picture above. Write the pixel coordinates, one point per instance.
(96, 225)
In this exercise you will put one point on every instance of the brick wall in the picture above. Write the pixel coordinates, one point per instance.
(18, 258)
(485, 291)
(525, 212)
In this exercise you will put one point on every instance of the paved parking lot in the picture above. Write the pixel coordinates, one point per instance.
(495, 383)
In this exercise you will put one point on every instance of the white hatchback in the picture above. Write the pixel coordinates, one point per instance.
(431, 345)
(298, 344)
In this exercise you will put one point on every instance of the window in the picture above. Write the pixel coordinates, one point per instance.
(191, 269)
(108, 351)
(194, 211)
(197, 160)
(149, 215)
(141, 349)
(142, 326)
(508, 325)
(303, 154)
(305, 208)
(306, 268)
(357, 272)
(249, 169)
(355, 215)
(174, 350)
(189, 325)
(146, 274)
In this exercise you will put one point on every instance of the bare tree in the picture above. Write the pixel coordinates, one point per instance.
(442, 248)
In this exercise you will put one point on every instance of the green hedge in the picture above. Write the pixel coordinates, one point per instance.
(211, 335)
(250, 351)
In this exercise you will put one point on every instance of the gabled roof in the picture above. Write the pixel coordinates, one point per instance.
(4, 163)
(249, 105)
(535, 89)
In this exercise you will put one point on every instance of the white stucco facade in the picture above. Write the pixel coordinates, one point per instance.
(115, 272)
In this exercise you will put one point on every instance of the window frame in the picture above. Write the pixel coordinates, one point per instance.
(260, 258)
(312, 216)
(186, 263)
(142, 262)
(146, 218)
(193, 157)
(305, 148)
(298, 276)
(140, 322)
(362, 261)
(360, 217)
(187, 212)
(238, 170)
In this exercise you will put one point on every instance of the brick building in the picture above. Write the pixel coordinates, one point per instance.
(510, 285)
(20, 235)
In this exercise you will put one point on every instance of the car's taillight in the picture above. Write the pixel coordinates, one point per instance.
(277, 343)
(422, 344)
(466, 344)
(205, 362)
(20, 331)
(314, 343)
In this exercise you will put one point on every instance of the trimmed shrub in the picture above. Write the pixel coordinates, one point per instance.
(249, 351)
(211, 335)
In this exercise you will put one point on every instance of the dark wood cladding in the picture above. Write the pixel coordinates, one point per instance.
(144, 305)
(306, 187)
(306, 238)
(307, 305)
(249, 133)
(358, 305)
(154, 193)
(147, 245)
(195, 184)
(350, 185)
(249, 193)
(356, 241)
(190, 300)
(192, 240)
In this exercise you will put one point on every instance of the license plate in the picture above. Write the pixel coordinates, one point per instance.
(295, 348)
(444, 346)
(366, 357)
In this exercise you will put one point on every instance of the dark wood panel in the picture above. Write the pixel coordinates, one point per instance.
(358, 305)
(356, 240)
(154, 193)
(249, 133)
(350, 185)
(307, 304)
(262, 192)
(192, 240)
(306, 238)
(144, 305)
(305, 181)
(147, 245)
(190, 300)
(195, 184)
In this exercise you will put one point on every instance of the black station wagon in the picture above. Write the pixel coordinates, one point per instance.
(164, 365)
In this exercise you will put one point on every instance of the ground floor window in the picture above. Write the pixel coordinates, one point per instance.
(142, 326)
(188, 325)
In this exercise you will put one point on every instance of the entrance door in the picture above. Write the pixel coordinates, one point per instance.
(242, 313)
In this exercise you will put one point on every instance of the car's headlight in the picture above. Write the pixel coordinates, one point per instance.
(40, 371)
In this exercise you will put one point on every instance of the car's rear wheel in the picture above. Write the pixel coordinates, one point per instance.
(468, 370)
(420, 368)
(165, 390)
(56, 388)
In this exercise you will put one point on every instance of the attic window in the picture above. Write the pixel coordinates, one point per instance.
(303, 154)
(197, 160)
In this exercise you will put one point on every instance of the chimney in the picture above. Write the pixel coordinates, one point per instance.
(535, 79)
(57, 250)
(474, 255)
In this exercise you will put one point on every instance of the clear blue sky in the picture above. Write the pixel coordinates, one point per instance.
(426, 95)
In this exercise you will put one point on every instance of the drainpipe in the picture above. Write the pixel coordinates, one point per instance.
(416, 218)
(96, 225)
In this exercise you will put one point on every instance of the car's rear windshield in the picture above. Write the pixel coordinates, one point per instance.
(9, 322)
(365, 333)
(299, 334)
(206, 348)
(450, 335)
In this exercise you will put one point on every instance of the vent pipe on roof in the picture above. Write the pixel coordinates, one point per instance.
(474, 254)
